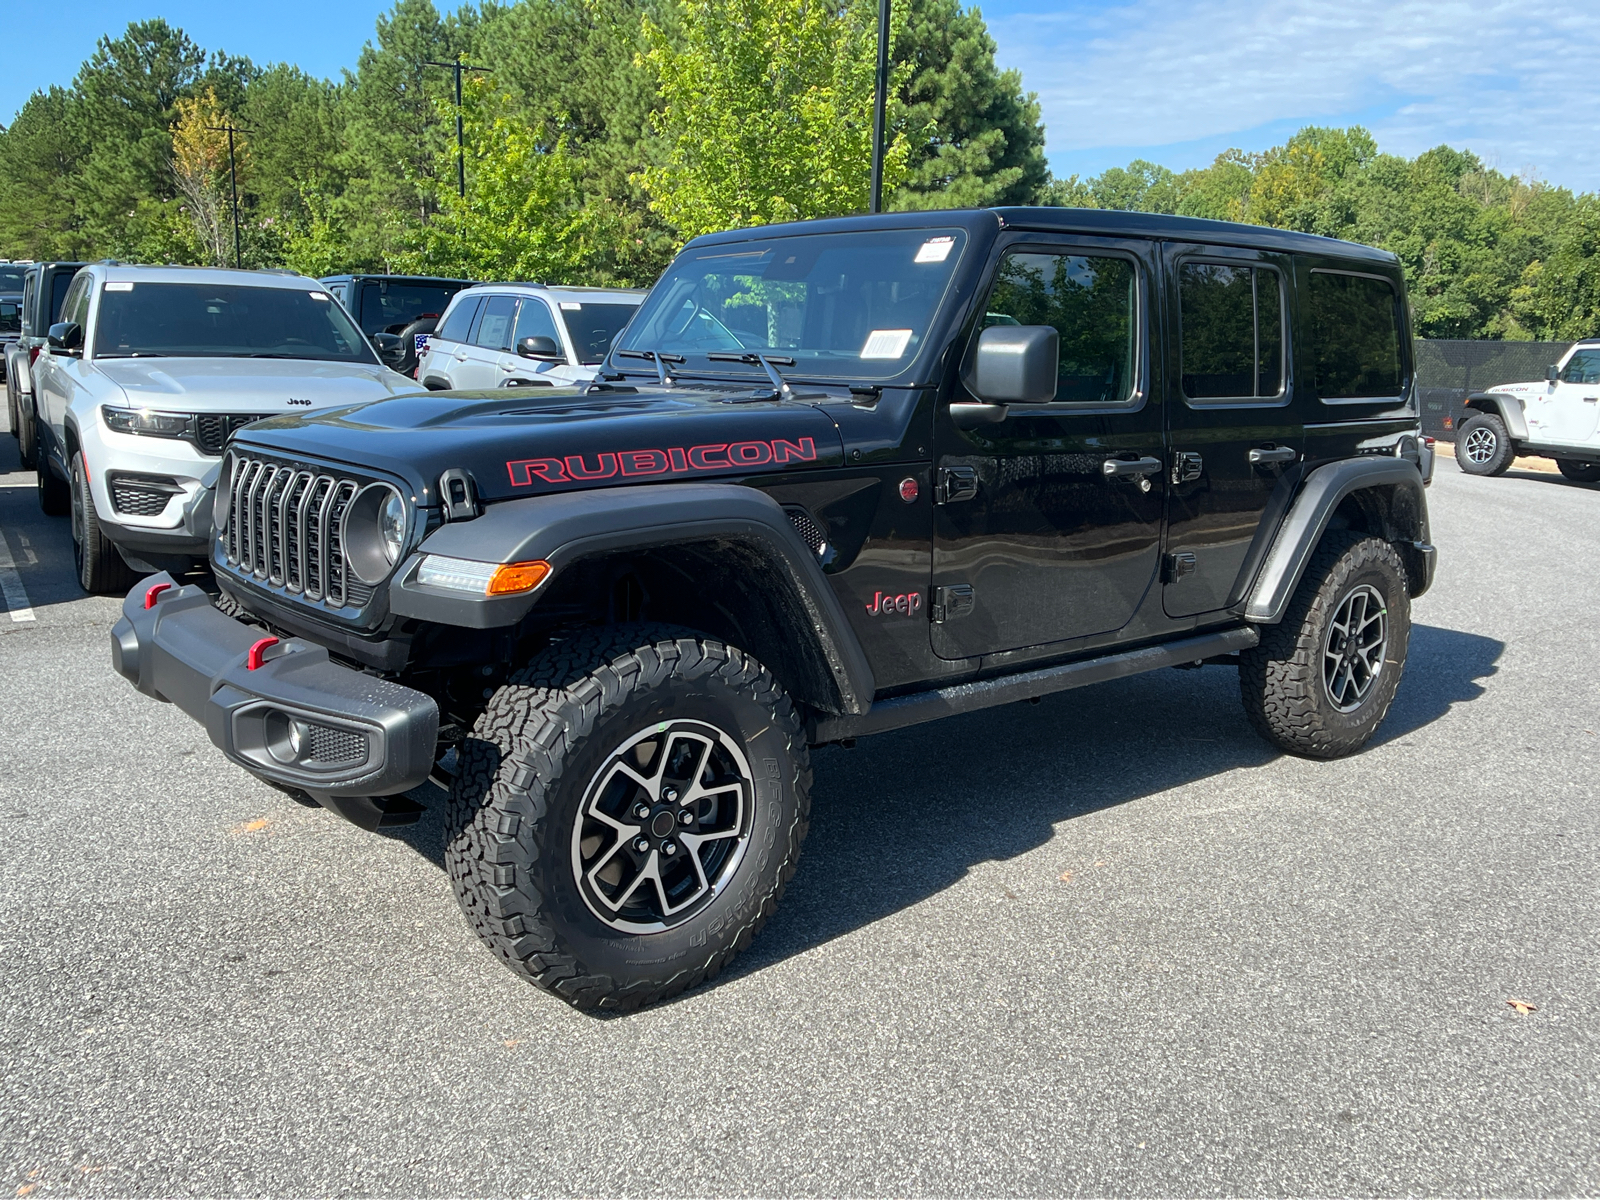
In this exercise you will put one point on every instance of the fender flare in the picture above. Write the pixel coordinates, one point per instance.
(567, 527)
(1312, 510)
(1507, 408)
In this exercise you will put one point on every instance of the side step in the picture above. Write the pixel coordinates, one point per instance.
(901, 711)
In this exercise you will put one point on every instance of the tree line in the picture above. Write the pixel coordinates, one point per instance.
(601, 134)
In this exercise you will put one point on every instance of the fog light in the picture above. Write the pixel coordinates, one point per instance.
(287, 738)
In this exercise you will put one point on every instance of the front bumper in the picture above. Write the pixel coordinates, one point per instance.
(298, 719)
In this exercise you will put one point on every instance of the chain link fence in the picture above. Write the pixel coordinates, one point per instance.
(1450, 369)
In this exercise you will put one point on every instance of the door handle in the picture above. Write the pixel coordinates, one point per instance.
(1590, 399)
(1277, 454)
(1118, 468)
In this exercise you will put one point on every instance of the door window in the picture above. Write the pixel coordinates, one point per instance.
(76, 306)
(494, 326)
(1582, 367)
(1232, 340)
(1355, 337)
(459, 321)
(1091, 302)
(534, 320)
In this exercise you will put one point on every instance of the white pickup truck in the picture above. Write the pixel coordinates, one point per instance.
(1557, 417)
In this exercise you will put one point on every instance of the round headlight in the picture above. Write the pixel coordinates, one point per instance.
(374, 532)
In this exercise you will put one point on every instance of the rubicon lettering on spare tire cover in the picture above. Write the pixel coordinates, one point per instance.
(676, 460)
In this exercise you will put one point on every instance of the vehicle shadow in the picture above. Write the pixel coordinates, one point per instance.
(908, 814)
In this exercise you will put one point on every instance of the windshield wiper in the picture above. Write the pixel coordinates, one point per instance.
(766, 361)
(660, 358)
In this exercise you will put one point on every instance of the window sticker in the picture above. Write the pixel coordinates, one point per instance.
(933, 250)
(886, 343)
(318, 295)
(119, 285)
(569, 306)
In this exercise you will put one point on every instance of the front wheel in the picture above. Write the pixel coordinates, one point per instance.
(627, 812)
(1579, 470)
(100, 567)
(1320, 682)
(1483, 447)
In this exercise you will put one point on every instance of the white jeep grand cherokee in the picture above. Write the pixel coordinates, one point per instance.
(149, 371)
(1558, 417)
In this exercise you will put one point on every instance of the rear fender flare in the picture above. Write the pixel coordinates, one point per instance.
(1391, 488)
(569, 527)
(1507, 408)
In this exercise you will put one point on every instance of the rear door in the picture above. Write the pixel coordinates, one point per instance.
(478, 362)
(1233, 422)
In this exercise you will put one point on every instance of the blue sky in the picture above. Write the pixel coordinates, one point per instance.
(1174, 81)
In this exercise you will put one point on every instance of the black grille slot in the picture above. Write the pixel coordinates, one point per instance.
(212, 430)
(808, 529)
(333, 747)
(283, 529)
(141, 496)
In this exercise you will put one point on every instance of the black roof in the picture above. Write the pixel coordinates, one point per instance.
(395, 278)
(1103, 222)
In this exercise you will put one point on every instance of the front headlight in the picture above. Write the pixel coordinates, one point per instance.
(481, 578)
(147, 422)
(373, 532)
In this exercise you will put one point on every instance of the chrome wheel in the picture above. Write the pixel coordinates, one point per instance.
(664, 824)
(1352, 652)
(1479, 446)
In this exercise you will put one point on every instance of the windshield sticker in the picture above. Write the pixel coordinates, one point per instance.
(569, 306)
(934, 250)
(119, 285)
(318, 295)
(886, 343)
(722, 456)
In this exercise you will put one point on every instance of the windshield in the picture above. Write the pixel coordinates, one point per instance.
(203, 320)
(388, 307)
(11, 277)
(592, 327)
(844, 304)
(10, 314)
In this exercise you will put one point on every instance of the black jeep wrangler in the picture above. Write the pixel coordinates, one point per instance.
(837, 477)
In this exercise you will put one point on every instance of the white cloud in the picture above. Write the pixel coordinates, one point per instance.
(1514, 82)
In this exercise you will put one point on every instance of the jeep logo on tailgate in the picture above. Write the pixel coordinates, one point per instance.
(678, 460)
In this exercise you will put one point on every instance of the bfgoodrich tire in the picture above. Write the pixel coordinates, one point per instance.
(627, 812)
(1321, 681)
(1483, 447)
(1579, 470)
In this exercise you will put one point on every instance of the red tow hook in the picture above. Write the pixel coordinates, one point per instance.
(153, 593)
(254, 659)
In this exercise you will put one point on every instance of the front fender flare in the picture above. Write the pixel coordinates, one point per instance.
(1507, 408)
(1312, 510)
(567, 527)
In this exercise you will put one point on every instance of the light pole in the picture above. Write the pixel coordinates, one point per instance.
(880, 104)
(461, 146)
(233, 186)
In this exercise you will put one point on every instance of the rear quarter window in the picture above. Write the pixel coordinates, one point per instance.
(1355, 333)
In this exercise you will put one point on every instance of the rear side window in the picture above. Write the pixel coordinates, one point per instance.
(1232, 320)
(28, 289)
(387, 306)
(459, 321)
(494, 327)
(1354, 330)
(58, 295)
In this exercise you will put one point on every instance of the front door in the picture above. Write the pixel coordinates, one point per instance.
(1231, 418)
(1048, 521)
(1569, 413)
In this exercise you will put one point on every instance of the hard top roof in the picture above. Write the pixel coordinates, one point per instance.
(140, 273)
(395, 278)
(559, 290)
(1101, 222)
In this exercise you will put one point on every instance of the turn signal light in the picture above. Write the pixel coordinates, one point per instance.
(510, 578)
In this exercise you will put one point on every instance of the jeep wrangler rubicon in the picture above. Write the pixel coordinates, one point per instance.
(836, 478)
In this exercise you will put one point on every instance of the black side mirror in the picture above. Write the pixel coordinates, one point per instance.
(542, 348)
(391, 348)
(1017, 364)
(1553, 373)
(65, 335)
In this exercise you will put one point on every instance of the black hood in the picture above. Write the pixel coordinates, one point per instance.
(524, 442)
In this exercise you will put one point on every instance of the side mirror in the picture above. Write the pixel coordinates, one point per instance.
(1017, 364)
(391, 348)
(1553, 373)
(542, 348)
(65, 335)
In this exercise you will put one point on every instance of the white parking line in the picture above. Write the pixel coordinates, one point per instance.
(11, 586)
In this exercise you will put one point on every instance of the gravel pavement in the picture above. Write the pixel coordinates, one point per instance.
(1111, 943)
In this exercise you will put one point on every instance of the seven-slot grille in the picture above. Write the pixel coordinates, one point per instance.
(283, 528)
(212, 430)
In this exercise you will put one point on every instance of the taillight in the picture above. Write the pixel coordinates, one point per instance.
(33, 353)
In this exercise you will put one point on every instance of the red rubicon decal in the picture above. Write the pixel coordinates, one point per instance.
(677, 460)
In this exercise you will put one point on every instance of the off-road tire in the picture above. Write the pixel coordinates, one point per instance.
(1579, 470)
(101, 569)
(523, 778)
(55, 496)
(1483, 447)
(1281, 680)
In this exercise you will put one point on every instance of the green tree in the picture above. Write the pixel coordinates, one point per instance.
(39, 159)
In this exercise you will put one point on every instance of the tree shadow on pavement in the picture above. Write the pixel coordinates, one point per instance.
(908, 814)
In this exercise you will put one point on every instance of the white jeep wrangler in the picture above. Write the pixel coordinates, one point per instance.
(1557, 418)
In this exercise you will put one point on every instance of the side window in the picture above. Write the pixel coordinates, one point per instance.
(1091, 301)
(1232, 340)
(29, 287)
(534, 320)
(1582, 367)
(494, 326)
(76, 306)
(458, 323)
(1355, 337)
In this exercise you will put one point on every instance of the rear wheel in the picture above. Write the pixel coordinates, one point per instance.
(1579, 470)
(27, 433)
(100, 566)
(1320, 682)
(627, 812)
(1483, 447)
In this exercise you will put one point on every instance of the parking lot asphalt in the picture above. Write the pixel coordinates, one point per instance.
(1109, 943)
